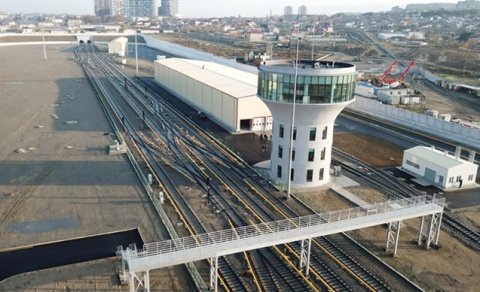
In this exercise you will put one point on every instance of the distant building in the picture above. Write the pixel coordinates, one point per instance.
(468, 5)
(118, 46)
(440, 168)
(117, 7)
(255, 37)
(396, 96)
(431, 7)
(169, 8)
(102, 7)
(302, 10)
(288, 11)
(141, 8)
(127, 8)
(74, 22)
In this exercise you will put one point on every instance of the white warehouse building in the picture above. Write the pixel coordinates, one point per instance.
(118, 46)
(226, 95)
(443, 170)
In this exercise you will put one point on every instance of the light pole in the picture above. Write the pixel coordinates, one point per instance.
(290, 154)
(44, 47)
(136, 51)
(313, 38)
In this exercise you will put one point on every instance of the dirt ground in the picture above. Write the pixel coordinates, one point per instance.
(443, 105)
(63, 172)
(375, 151)
(470, 215)
(453, 267)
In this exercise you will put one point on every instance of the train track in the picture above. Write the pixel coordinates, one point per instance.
(395, 188)
(186, 142)
(375, 286)
(226, 269)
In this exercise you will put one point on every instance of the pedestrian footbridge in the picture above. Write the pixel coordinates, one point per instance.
(138, 262)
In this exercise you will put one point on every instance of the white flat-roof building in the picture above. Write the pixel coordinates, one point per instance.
(118, 46)
(226, 95)
(323, 89)
(440, 168)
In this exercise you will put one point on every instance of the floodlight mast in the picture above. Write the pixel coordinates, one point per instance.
(136, 51)
(290, 154)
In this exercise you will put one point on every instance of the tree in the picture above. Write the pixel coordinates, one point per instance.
(471, 44)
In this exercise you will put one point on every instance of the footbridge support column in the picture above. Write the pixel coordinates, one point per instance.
(140, 281)
(393, 235)
(430, 234)
(305, 249)
(214, 274)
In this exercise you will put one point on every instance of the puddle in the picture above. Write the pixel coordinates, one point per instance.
(43, 226)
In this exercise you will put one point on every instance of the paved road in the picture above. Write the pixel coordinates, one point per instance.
(65, 252)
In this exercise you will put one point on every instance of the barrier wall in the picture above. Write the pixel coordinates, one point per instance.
(463, 135)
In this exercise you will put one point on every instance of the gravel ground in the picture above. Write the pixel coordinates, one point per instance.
(53, 160)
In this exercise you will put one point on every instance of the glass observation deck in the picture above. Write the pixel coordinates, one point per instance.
(318, 82)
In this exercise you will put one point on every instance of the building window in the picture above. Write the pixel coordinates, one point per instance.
(292, 175)
(320, 175)
(281, 132)
(294, 134)
(470, 177)
(450, 180)
(324, 133)
(311, 154)
(313, 134)
(459, 178)
(279, 171)
(310, 175)
(280, 151)
(293, 154)
(411, 163)
(322, 155)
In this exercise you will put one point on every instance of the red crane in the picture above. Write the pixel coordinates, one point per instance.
(389, 69)
(392, 80)
(407, 70)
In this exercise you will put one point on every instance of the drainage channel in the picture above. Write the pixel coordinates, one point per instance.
(60, 253)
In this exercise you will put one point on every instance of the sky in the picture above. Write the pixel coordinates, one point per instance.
(218, 8)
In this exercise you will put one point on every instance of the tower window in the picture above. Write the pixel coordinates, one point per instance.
(292, 174)
(311, 155)
(280, 151)
(322, 155)
(313, 134)
(321, 173)
(279, 171)
(309, 175)
(294, 134)
(324, 133)
(281, 132)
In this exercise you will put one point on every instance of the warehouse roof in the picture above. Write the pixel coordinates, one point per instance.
(233, 82)
(436, 157)
(123, 40)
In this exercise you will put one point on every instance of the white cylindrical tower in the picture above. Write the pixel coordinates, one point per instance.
(323, 90)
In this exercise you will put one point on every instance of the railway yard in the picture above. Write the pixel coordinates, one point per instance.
(57, 175)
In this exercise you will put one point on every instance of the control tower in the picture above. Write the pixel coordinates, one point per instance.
(323, 89)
